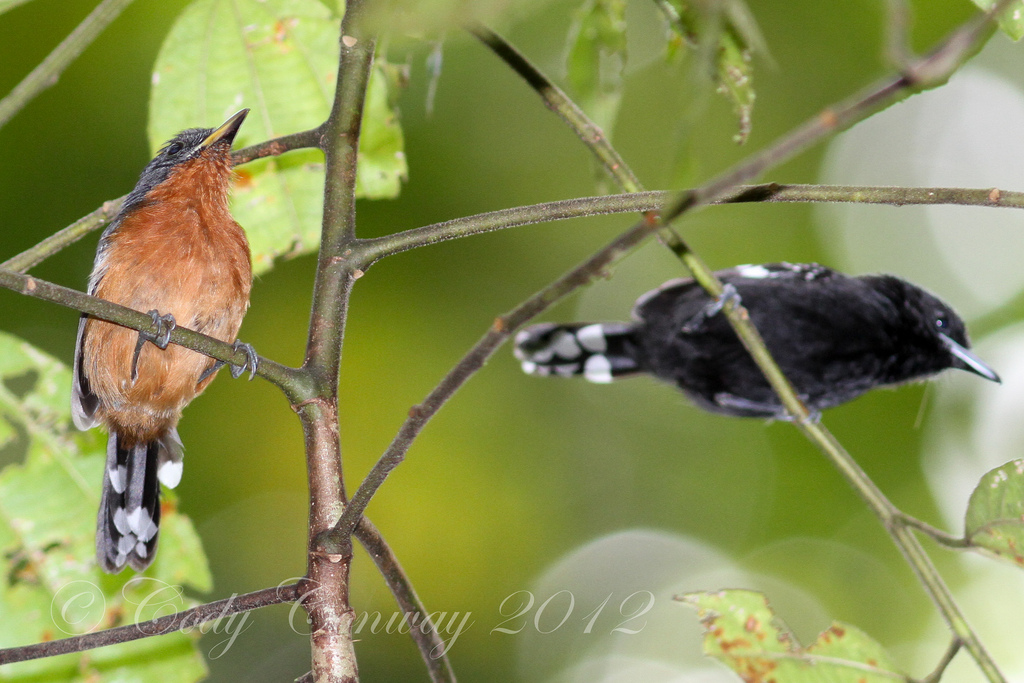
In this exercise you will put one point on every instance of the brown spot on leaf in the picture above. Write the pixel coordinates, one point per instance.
(243, 180)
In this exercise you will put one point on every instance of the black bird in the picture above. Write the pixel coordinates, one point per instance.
(834, 336)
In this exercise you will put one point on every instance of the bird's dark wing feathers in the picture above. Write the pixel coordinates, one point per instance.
(83, 401)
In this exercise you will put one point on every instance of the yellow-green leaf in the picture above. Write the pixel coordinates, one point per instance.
(279, 58)
(743, 632)
(995, 513)
(52, 587)
(1011, 20)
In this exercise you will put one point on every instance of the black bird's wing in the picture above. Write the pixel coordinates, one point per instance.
(794, 306)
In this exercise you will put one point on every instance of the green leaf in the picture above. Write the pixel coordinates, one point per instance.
(597, 57)
(995, 513)
(724, 37)
(382, 166)
(742, 631)
(280, 58)
(1011, 20)
(52, 587)
(10, 4)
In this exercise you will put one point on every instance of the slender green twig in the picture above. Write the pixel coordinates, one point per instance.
(48, 71)
(938, 535)
(62, 239)
(936, 675)
(556, 100)
(386, 245)
(307, 139)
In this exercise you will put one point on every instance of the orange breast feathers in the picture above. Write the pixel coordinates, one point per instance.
(176, 254)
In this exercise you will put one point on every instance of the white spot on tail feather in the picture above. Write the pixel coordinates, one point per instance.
(117, 476)
(169, 473)
(565, 346)
(592, 338)
(142, 524)
(598, 369)
(121, 521)
(124, 546)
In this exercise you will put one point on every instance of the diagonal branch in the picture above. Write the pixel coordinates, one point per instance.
(433, 650)
(179, 621)
(50, 69)
(102, 216)
(293, 382)
(557, 101)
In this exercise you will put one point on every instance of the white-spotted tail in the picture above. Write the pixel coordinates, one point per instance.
(600, 352)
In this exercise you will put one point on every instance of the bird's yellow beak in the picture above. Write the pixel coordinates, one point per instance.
(226, 131)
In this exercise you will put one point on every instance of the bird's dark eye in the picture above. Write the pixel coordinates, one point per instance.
(941, 323)
(174, 148)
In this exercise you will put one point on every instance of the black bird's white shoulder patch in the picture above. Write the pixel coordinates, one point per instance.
(807, 272)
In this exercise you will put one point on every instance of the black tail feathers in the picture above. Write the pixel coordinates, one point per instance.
(129, 516)
(598, 351)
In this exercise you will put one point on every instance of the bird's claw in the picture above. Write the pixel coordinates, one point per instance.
(729, 296)
(252, 361)
(163, 325)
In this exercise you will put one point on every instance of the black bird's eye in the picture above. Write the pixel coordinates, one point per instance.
(174, 148)
(941, 322)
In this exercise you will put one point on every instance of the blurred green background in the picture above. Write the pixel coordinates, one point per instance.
(516, 472)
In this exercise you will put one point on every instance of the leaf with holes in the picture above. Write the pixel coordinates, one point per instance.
(49, 494)
(742, 631)
(995, 513)
(279, 58)
(724, 37)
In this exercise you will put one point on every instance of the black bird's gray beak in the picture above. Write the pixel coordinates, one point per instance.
(969, 361)
(227, 130)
